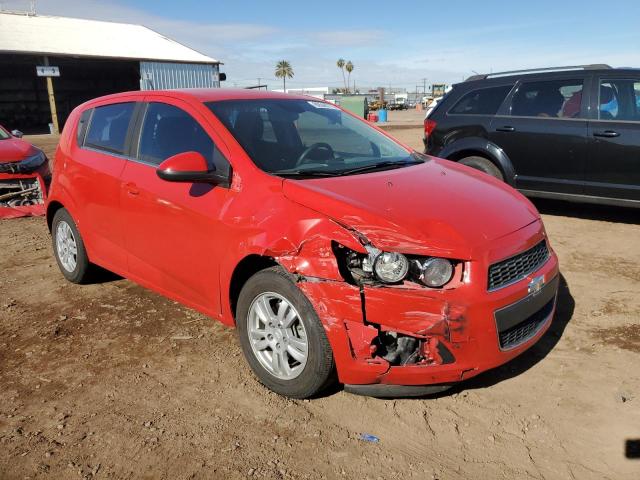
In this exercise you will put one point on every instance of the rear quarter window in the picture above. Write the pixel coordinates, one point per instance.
(483, 101)
(109, 126)
(83, 123)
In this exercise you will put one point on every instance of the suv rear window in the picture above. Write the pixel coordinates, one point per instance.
(109, 126)
(484, 101)
(548, 99)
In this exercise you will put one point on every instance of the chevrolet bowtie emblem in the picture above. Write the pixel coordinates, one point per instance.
(535, 285)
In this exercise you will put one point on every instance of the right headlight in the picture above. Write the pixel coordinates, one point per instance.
(434, 272)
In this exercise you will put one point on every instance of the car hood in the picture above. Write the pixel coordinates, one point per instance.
(15, 150)
(437, 208)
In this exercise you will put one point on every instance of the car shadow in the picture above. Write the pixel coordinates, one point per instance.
(587, 211)
(100, 275)
(564, 312)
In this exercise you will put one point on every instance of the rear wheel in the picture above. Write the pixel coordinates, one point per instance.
(68, 247)
(484, 165)
(282, 337)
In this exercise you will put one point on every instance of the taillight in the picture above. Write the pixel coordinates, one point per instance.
(429, 127)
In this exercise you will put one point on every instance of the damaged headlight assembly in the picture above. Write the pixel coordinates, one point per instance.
(393, 267)
(434, 272)
(25, 166)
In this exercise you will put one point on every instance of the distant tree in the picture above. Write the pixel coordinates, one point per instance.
(284, 71)
(349, 68)
(340, 63)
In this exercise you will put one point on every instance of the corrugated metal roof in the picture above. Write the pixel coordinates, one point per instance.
(38, 34)
(166, 76)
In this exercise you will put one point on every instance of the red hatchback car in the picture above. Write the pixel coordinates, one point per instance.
(24, 176)
(338, 253)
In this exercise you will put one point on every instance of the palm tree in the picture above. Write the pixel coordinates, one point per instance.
(340, 64)
(349, 68)
(284, 71)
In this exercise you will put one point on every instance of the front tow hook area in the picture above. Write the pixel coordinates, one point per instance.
(380, 390)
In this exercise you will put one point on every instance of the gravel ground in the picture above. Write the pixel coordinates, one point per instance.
(110, 380)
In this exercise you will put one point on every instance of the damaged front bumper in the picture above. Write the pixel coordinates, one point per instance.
(22, 195)
(409, 341)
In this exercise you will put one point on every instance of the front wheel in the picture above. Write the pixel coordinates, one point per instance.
(484, 165)
(282, 337)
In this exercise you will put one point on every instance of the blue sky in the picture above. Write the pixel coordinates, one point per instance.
(390, 43)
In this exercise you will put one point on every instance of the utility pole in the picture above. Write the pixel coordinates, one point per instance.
(424, 86)
(52, 101)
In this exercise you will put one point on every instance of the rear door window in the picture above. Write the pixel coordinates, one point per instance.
(619, 99)
(548, 99)
(109, 127)
(168, 130)
(485, 101)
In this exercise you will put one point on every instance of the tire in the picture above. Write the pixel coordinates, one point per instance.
(484, 165)
(272, 289)
(66, 238)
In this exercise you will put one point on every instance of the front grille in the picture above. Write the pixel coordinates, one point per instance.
(523, 331)
(517, 267)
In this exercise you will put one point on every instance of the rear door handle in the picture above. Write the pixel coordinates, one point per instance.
(132, 188)
(506, 128)
(606, 134)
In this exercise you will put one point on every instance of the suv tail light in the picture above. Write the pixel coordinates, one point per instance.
(429, 127)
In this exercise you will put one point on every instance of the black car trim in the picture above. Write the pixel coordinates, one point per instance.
(520, 311)
(633, 122)
(566, 119)
(575, 197)
(563, 181)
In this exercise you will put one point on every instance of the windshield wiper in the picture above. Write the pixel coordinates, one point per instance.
(381, 165)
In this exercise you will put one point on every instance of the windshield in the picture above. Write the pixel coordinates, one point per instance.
(308, 138)
(3, 134)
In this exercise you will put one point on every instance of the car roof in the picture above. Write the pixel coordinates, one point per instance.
(202, 95)
(541, 73)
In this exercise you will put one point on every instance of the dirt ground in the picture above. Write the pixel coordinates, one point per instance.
(112, 381)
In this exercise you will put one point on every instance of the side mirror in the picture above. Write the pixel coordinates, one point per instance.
(17, 133)
(189, 167)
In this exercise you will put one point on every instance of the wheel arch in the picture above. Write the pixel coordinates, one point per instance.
(483, 148)
(52, 208)
(243, 271)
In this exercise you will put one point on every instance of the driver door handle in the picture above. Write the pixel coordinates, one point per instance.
(606, 134)
(506, 128)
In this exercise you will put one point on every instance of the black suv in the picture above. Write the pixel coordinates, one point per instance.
(571, 133)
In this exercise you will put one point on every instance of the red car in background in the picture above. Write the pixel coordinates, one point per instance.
(24, 176)
(337, 252)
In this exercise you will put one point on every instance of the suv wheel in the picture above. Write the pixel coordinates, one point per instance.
(484, 165)
(281, 336)
(68, 247)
